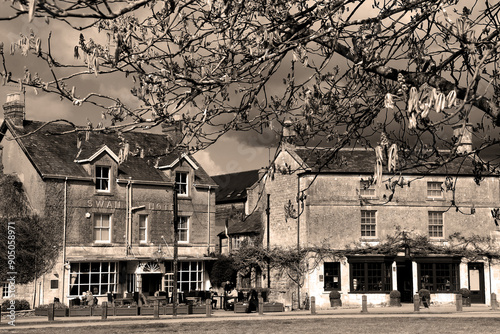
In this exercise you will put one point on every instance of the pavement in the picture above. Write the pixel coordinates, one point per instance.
(406, 310)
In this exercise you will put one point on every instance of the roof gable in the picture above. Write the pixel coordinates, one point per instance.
(103, 149)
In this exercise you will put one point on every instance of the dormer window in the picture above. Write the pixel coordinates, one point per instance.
(102, 178)
(181, 183)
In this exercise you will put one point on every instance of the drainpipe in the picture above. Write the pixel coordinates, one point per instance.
(65, 220)
(208, 213)
(298, 236)
(127, 213)
(129, 236)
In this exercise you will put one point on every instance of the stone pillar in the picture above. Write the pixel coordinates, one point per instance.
(313, 305)
(261, 305)
(458, 298)
(50, 312)
(416, 303)
(364, 304)
(104, 306)
(208, 304)
(156, 310)
(494, 303)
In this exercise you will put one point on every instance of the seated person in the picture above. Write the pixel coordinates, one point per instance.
(231, 298)
(213, 294)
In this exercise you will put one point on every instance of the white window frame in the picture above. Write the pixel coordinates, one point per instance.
(76, 280)
(99, 179)
(182, 185)
(364, 222)
(101, 227)
(434, 189)
(184, 228)
(436, 224)
(366, 189)
(185, 276)
(143, 228)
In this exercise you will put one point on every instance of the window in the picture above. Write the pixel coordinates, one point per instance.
(332, 276)
(371, 277)
(435, 224)
(102, 178)
(439, 277)
(183, 229)
(143, 228)
(366, 189)
(54, 284)
(435, 189)
(368, 223)
(98, 277)
(190, 276)
(102, 227)
(6, 290)
(181, 183)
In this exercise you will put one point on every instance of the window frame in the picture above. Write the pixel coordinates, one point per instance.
(143, 228)
(434, 227)
(184, 229)
(330, 275)
(186, 270)
(94, 227)
(367, 190)
(437, 265)
(371, 224)
(100, 178)
(182, 186)
(6, 290)
(364, 265)
(432, 192)
(110, 286)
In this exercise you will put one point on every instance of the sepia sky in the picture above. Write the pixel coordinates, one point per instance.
(232, 153)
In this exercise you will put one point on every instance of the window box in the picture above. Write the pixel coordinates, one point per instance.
(181, 309)
(199, 309)
(149, 310)
(58, 311)
(273, 307)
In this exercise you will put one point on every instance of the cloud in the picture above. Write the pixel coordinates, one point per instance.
(208, 164)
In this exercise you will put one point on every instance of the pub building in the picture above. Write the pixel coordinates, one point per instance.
(112, 198)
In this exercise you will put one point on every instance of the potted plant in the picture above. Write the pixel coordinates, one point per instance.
(465, 296)
(395, 298)
(425, 297)
(335, 300)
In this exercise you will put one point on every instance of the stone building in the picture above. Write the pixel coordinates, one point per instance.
(328, 203)
(113, 199)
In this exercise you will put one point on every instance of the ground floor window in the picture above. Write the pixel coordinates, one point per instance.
(332, 276)
(97, 277)
(5, 290)
(189, 276)
(371, 276)
(439, 277)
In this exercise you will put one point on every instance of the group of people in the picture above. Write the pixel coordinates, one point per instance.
(87, 298)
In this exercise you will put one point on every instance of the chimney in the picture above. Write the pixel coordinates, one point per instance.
(173, 132)
(289, 134)
(463, 134)
(14, 109)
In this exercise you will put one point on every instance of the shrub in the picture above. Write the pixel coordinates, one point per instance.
(334, 294)
(20, 304)
(395, 294)
(58, 306)
(464, 292)
(424, 293)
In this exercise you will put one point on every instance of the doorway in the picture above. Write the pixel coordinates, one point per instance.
(405, 280)
(151, 283)
(476, 282)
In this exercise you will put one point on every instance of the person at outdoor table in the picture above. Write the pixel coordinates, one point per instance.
(231, 298)
(83, 298)
(90, 298)
(213, 294)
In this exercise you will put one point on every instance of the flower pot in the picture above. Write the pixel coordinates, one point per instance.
(335, 302)
(273, 307)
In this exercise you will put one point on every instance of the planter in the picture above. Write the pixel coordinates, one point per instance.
(335, 302)
(273, 307)
(97, 311)
(466, 301)
(149, 310)
(44, 312)
(241, 308)
(395, 301)
(199, 309)
(127, 311)
(181, 309)
(80, 312)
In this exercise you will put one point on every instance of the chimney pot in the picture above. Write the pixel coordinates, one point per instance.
(14, 109)
(463, 133)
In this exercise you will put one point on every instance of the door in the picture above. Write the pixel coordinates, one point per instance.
(476, 283)
(405, 280)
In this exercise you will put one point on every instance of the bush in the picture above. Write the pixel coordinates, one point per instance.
(20, 304)
(58, 306)
(334, 294)
(464, 292)
(424, 293)
(395, 294)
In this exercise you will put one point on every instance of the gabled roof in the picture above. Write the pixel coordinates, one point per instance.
(233, 187)
(54, 154)
(362, 161)
(238, 223)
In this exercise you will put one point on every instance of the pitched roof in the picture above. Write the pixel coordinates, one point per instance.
(232, 187)
(56, 154)
(251, 224)
(362, 161)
